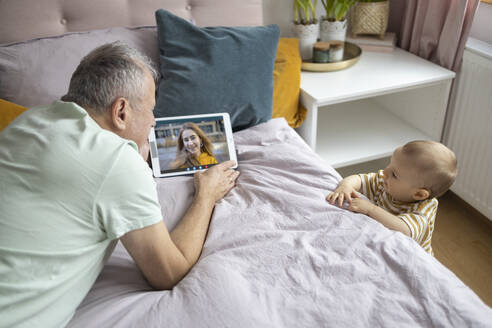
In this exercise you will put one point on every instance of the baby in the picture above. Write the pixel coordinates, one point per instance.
(403, 195)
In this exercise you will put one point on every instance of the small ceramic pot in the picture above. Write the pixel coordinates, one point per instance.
(308, 35)
(333, 30)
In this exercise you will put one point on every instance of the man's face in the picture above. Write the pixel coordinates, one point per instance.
(400, 178)
(142, 114)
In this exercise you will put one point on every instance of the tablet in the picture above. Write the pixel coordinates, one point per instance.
(187, 144)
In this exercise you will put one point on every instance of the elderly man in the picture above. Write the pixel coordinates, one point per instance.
(74, 180)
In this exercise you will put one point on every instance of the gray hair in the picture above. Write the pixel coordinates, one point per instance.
(110, 71)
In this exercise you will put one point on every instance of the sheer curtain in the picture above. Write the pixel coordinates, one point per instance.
(434, 29)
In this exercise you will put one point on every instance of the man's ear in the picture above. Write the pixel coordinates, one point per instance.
(120, 113)
(421, 194)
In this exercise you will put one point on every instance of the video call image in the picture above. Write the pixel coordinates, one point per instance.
(191, 144)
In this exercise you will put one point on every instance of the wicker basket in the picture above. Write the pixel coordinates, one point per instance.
(370, 18)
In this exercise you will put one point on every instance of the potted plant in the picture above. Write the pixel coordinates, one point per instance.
(334, 24)
(370, 17)
(306, 26)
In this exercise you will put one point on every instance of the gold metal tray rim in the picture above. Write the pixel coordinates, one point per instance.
(351, 48)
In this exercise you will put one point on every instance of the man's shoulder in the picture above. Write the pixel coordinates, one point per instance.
(50, 119)
(57, 109)
(74, 121)
(64, 139)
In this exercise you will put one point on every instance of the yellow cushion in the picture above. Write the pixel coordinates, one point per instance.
(8, 112)
(287, 82)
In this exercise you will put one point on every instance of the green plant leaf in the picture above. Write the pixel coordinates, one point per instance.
(337, 9)
(307, 8)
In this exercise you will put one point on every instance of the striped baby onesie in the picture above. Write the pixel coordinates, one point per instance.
(419, 216)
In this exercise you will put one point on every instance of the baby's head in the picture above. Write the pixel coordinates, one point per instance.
(420, 170)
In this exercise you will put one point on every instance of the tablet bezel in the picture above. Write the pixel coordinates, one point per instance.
(154, 155)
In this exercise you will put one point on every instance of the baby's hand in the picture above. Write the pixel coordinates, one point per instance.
(343, 192)
(360, 205)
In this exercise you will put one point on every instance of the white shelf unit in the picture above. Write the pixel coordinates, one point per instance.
(364, 112)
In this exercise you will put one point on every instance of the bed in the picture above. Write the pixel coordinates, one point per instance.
(276, 254)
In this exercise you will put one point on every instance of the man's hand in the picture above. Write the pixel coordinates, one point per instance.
(166, 258)
(216, 182)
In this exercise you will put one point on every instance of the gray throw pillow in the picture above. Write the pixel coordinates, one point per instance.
(37, 72)
(216, 69)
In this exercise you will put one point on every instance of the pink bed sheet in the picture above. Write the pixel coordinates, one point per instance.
(278, 255)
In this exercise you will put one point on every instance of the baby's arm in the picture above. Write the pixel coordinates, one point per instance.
(379, 214)
(346, 189)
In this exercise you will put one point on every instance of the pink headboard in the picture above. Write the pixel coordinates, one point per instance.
(22, 20)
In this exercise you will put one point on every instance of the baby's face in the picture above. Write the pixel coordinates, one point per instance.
(400, 178)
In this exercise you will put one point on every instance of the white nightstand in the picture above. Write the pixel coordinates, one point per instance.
(366, 111)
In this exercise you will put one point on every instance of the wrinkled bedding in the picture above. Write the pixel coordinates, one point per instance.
(278, 255)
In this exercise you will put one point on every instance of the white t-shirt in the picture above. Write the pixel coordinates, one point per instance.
(68, 190)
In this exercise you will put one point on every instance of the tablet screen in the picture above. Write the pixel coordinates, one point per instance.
(187, 144)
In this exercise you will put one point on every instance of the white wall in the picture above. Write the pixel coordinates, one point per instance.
(281, 12)
(482, 23)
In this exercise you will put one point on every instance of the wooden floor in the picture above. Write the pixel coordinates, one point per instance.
(462, 241)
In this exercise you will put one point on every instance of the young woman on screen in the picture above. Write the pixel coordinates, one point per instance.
(194, 148)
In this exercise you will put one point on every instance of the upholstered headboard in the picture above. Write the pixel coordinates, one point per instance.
(43, 41)
(22, 20)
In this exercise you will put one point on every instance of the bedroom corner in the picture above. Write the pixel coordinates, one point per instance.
(468, 205)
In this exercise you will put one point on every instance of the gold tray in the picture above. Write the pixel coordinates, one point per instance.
(351, 54)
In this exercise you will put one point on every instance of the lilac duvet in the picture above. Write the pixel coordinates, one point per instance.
(278, 255)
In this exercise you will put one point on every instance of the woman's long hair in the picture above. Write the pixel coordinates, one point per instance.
(185, 158)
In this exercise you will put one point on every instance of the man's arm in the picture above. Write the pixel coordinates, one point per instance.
(165, 258)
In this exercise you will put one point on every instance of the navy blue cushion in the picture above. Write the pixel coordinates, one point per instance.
(216, 69)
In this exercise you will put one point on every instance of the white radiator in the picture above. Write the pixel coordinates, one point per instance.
(469, 127)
